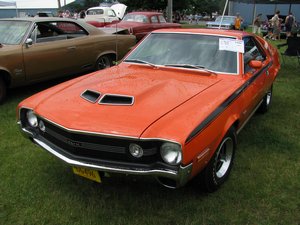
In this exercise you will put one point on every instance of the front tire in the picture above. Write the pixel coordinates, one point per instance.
(219, 167)
(3, 90)
(104, 62)
(267, 100)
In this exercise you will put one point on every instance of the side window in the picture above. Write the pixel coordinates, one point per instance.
(154, 19)
(162, 19)
(111, 13)
(252, 52)
(57, 31)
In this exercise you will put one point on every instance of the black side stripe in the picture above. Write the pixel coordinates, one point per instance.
(225, 104)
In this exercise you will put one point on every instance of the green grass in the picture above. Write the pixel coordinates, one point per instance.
(264, 186)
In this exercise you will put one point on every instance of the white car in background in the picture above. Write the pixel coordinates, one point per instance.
(101, 16)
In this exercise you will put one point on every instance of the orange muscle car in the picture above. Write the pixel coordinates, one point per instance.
(41, 48)
(171, 109)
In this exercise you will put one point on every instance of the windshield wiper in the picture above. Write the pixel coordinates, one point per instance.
(190, 66)
(141, 61)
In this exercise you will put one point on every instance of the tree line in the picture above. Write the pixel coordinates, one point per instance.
(183, 6)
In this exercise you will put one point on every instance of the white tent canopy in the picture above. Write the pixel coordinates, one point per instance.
(7, 3)
(32, 4)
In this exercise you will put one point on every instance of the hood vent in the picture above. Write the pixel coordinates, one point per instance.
(110, 99)
(91, 96)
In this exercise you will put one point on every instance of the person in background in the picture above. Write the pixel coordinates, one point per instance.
(270, 30)
(257, 24)
(289, 23)
(276, 24)
(238, 22)
(82, 14)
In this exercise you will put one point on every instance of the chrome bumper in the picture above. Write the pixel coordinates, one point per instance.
(181, 176)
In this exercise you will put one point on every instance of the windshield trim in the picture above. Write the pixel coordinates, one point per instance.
(174, 32)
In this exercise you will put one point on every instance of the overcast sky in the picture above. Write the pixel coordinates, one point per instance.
(38, 3)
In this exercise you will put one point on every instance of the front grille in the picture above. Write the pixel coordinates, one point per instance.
(91, 147)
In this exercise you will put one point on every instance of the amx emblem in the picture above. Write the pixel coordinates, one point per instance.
(74, 143)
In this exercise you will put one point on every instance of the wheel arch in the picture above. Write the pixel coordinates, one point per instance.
(109, 53)
(232, 122)
(6, 76)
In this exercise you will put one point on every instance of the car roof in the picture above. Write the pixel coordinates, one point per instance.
(221, 32)
(98, 7)
(38, 19)
(91, 29)
(145, 13)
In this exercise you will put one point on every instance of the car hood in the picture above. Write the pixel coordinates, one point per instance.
(119, 9)
(155, 92)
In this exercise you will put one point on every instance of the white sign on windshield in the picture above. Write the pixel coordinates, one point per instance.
(233, 45)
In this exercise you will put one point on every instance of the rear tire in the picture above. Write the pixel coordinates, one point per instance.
(267, 100)
(104, 62)
(219, 167)
(3, 90)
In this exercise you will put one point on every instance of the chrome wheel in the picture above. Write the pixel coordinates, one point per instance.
(268, 97)
(224, 157)
(219, 167)
(267, 100)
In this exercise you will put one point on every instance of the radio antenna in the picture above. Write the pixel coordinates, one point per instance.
(117, 57)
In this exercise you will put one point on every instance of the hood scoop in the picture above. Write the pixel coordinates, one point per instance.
(113, 99)
(91, 96)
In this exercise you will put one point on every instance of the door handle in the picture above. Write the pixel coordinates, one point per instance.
(72, 48)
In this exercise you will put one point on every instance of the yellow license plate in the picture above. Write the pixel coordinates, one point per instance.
(87, 173)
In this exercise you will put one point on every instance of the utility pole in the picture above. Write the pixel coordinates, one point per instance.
(170, 11)
(59, 5)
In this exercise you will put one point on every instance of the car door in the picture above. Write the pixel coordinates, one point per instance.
(51, 53)
(255, 78)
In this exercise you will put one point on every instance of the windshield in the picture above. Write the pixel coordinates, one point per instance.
(226, 19)
(13, 32)
(185, 49)
(136, 18)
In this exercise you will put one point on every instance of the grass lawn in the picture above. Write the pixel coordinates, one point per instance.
(264, 186)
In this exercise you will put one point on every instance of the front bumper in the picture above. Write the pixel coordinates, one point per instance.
(178, 177)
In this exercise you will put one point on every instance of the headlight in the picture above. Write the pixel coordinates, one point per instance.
(171, 153)
(32, 119)
(136, 150)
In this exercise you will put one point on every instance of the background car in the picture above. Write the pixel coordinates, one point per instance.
(141, 23)
(102, 16)
(36, 49)
(227, 23)
(171, 109)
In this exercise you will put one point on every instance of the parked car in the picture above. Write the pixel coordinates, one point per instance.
(227, 23)
(141, 23)
(102, 16)
(171, 109)
(36, 49)
(44, 14)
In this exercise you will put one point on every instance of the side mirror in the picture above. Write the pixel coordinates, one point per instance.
(28, 42)
(255, 64)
